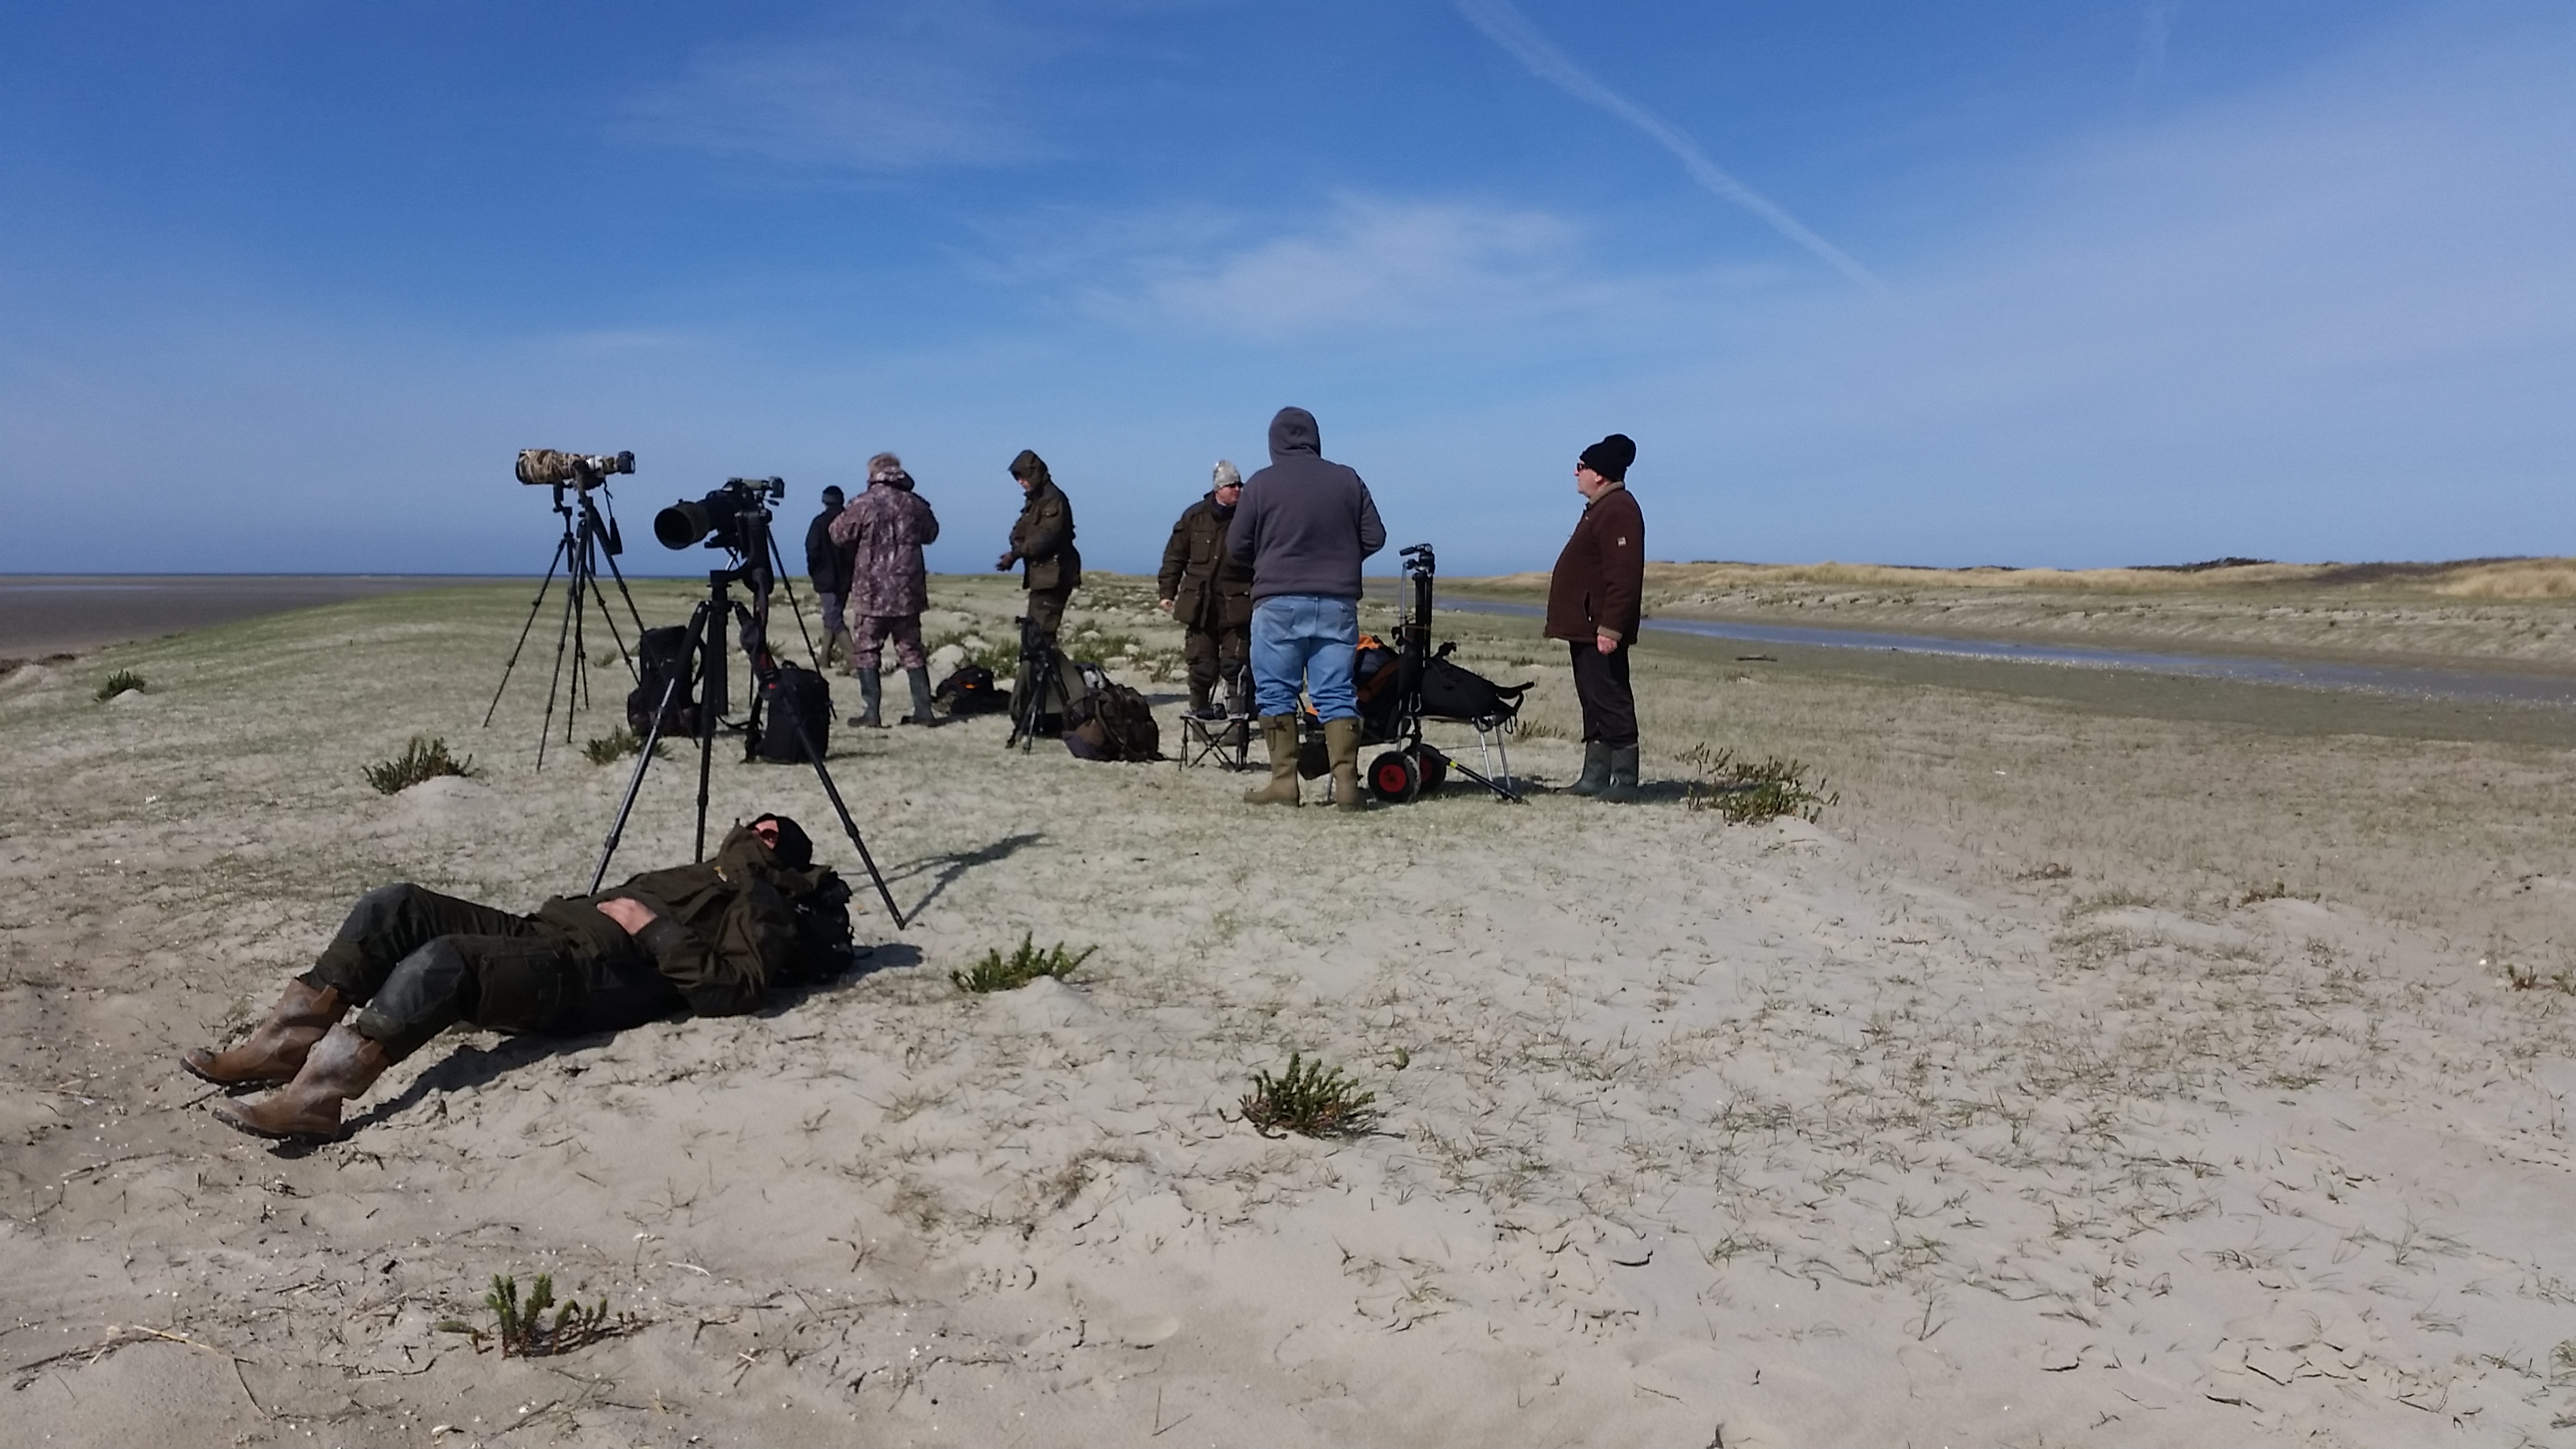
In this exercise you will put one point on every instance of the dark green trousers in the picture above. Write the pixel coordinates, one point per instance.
(417, 962)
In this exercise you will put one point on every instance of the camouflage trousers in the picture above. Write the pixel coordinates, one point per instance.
(870, 636)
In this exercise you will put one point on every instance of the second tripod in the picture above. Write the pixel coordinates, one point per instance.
(587, 538)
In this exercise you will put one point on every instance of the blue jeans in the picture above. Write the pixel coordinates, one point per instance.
(1309, 639)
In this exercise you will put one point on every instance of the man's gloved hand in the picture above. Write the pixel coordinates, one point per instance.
(1004, 566)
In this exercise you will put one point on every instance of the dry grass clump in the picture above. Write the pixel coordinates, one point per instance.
(1024, 965)
(1746, 792)
(425, 758)
(118, 683)
(1309, 1099)
(617, 744)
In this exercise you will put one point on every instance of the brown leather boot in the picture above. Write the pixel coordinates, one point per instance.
(274, 1050)
(340, 1066)
(1279, 732)
(1342, 747)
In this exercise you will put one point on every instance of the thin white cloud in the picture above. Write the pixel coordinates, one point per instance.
(918, 88)
(1370, 265)
(1503, 24)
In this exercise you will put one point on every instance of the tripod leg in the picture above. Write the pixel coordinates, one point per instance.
(779, 563)
(533, 606)
(615, 573)
(634, 783)
(814, 757)
(563, 636)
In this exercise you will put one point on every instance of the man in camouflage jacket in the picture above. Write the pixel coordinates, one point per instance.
(711, 938)
(1210, 592)
(885, 529)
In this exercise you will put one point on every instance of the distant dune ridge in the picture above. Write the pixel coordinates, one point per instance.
(2478, 578)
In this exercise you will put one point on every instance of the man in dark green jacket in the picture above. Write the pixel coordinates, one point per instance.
(1210, 593)
(711, 938)
(1042, 539)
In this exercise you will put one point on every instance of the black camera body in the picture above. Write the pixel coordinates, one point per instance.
(541, 467)
(735, 516)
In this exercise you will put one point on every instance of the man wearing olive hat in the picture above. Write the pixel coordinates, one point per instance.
(1594, 603)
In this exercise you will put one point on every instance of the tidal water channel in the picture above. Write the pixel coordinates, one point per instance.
(2491, 686)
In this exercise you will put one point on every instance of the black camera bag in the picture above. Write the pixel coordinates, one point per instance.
(1453, 691)
(791, 697)
(662, 657)
(1110, 721)
(971, 690)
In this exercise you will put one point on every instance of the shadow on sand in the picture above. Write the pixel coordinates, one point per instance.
(470, 1066)
(945, 870)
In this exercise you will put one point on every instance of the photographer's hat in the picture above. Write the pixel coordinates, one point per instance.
(1610, 457)
(1227, 475)
(795, 849)
(833, 496)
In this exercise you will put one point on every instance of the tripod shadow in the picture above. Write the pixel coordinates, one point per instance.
(946, 869)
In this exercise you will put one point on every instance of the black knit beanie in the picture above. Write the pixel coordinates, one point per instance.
(795, 849)
(1611, 456)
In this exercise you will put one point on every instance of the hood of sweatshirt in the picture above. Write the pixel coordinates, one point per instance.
(1293, 434)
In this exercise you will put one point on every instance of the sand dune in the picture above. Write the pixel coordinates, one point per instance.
(2079, 1078)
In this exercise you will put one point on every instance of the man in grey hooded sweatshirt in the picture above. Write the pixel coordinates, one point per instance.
(1304, 524)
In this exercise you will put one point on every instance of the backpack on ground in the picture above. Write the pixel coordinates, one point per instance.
(971, 690)
(791, 697)
(1110, 721)
(662, 657)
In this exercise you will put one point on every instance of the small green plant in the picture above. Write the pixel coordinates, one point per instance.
(520, 1327)
(118, 683)
(1024, 965)
(425, 758)
(1309, 1099)
(617, 744)
(1745, 793)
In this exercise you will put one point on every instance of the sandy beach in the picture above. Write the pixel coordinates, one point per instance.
(2115, 1061)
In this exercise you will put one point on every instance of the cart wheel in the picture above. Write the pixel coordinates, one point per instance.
(1433, 765)
(1395, 777)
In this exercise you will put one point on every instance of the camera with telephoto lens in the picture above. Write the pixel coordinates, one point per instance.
(735, 516)
(539, 467)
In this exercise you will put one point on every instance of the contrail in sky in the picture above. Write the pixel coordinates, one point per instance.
(1505, 26)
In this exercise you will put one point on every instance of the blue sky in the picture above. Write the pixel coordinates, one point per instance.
(285, 286)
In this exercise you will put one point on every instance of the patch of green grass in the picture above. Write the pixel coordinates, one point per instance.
(617, 744)
(1002, 657)
(1745, 792)
(1309, 1099)
(520, 1327)
(118, 683)
(425, 758)
(1024, 965)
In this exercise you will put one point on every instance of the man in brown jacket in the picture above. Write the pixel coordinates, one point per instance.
(1594, 603)
(711, 938)
(1210, 593)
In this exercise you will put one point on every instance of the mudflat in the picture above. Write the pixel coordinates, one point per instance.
(2145, 1062)
(44, 614)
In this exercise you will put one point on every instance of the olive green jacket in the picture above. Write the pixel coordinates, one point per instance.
(724, 929)
(1210, 591)
(1043, 538)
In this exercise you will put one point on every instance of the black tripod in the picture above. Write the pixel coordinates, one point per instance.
(1041, 676)
(586, 539)
(714, 697)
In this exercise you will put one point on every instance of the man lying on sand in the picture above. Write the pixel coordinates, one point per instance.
(710, 937)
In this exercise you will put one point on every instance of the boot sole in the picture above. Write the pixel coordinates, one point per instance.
(192, 1069)
(251, 1129)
